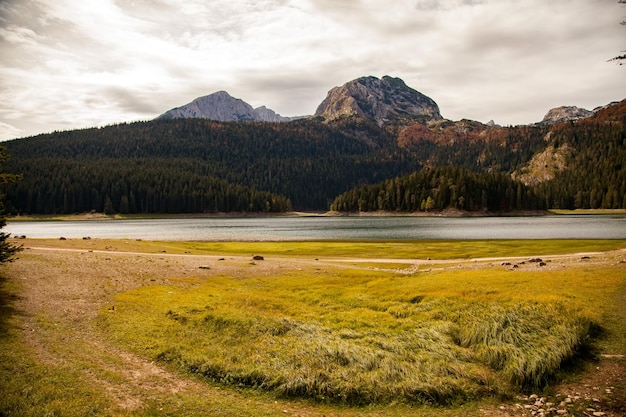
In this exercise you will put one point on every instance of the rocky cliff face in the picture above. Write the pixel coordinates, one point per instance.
(382, 100)
(565, 113)
(222, 107)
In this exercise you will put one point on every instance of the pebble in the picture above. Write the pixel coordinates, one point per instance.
(542, 407)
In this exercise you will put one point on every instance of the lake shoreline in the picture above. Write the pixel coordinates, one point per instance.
(443, 213)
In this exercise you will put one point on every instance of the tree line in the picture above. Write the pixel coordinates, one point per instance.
(130, 186)
(436, 189)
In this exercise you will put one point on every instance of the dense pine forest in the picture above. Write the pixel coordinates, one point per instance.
(440, 188)
(196, 165)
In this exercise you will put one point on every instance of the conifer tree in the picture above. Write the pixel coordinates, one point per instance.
(7, 249)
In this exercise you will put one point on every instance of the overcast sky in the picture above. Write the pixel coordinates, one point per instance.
(67, 64)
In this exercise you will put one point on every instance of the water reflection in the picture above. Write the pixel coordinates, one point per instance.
(334, 228)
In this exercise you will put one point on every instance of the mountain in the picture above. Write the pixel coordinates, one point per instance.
(385, 100)
(564, 114)
(222, 107)
(367, 131)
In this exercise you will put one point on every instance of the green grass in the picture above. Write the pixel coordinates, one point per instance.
(436, 249)
(28, 387)
(442, 250)
(588, 211)
(360, 337)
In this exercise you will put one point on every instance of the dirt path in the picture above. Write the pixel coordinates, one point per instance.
(65, 289)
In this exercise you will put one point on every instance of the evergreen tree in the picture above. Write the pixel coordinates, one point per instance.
(7, 249)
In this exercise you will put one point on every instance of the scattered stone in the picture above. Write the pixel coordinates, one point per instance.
(204, 267)
(86, 238)
(584, 258)
(257, 258)
(221, 259)
(541, 264)
(506, 263)
(535, 260)
(62, 238)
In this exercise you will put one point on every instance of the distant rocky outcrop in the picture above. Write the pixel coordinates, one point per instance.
(222, 107)
(381, 100)
(564, 114)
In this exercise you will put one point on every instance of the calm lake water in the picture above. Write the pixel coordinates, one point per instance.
(333, 228)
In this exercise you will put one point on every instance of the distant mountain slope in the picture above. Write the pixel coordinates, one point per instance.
(222, 107)
(381, 100)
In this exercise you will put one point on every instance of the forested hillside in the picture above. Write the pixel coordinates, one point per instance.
(169, 161)
(595, 172)
(436, 189)
(592, 175)
(197, 165)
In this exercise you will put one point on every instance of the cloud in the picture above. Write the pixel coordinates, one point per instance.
(71, 63)
(8, 132)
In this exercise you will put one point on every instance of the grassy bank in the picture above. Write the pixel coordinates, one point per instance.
(316, 328)
(404, 250)
(363, 337)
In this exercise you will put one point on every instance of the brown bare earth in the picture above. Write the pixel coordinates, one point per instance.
(64, 286)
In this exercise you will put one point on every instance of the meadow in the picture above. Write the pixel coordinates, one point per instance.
(314, 328)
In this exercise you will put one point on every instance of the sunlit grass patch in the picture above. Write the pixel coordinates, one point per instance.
(361, 336)
(435, 249)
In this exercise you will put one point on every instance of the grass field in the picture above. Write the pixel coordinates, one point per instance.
(315, 328)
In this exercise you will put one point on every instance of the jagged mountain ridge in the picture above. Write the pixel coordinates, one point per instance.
(222, 107)
(565, 113)
(382, 100)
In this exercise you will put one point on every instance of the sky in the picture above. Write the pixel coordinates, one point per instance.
(70, 64)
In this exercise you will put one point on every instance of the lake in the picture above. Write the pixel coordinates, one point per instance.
(332, 228)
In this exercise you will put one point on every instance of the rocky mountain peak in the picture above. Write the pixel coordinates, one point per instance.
(383, 100)
(565, 113)
(222, 107)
